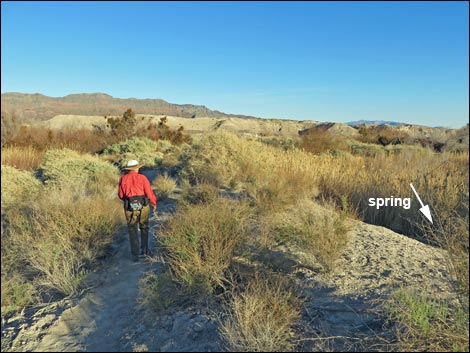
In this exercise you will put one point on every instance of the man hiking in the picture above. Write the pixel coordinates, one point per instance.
(135, 191)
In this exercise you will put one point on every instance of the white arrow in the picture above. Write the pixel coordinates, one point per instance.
(424, 209)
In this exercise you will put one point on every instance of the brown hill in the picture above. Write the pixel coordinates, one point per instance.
(41, 107)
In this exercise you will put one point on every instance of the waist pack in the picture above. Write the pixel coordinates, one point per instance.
(136, 203)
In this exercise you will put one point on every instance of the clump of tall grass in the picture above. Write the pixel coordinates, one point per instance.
(24, 158)
(262, 317)
(164, 185)
(321, 231)
(201, 240)
(425, 324)
(452, 234)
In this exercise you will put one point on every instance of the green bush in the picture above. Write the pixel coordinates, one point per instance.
(17, 293)
(18, 187)
(143, 149)
(67, 168)
(426, 324)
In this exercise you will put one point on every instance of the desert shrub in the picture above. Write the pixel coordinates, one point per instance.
(164, 186)
(52, 233)
(200, 241)
(382, 134)
(69, 168)
(162, 132)
(261, 318)
(123, 126)
(366, 149)
(425, 324)
(18, 187)
(11, 125)
(319, 141)
(140, 148)
(281, 142)
(24, 158)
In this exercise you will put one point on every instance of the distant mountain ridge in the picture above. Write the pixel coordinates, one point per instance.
(41, 107)
(375, 122)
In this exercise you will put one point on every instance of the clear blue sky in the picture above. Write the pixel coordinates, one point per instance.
(327, 61)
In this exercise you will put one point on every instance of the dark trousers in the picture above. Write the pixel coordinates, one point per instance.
(140, 218)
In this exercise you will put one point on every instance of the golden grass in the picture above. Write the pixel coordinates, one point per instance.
(24, 158)
(261, 318)
(271, 177)
(318, 141)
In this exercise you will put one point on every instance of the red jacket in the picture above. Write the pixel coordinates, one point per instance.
(135, 184)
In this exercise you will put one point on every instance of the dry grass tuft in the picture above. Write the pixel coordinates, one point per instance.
(165, 185)
(261, 318)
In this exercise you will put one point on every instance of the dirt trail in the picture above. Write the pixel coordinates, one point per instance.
(341, 304)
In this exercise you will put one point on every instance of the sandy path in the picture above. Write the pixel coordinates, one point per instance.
(100, 319)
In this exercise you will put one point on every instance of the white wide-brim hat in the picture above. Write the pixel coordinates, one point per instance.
(132, 164)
